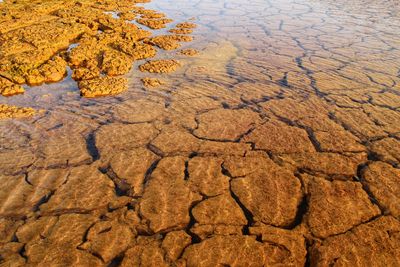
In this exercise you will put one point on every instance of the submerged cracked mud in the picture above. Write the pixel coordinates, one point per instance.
(275, 143)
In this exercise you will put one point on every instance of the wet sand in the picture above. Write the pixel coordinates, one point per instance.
(275, 143)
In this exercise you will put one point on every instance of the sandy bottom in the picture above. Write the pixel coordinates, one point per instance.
(275, 142)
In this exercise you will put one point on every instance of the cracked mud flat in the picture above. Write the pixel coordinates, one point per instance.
(276, 145)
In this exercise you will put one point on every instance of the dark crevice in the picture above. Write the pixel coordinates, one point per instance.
(372, 156)
(155, 150)
(301, 211)
(122, 188)
(225, 105)
(195, 238)
(91, 146)
(23, 254)
(360, 177)
(245, 134)
(95, 254)
(308, 255)
(193, 154)
(43, 200)
(309, 73)
(149, 171)
(116, 261)
(186, 170)
(225, 171)
(284, 81)
(313, 139)
(247, 213)
(249, 216)
(27, 179)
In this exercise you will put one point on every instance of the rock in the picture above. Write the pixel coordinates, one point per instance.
(338, 141)
(174, 243)
(178, 141)
(335, 207)
(281, 247)
(204, 231)
(147, 252)
(221, 209)
(14, 161)
(383, 182)
(39, 45)
(322, 123)
(50, 179)
(58, 247)
(18, 198)
(86, 189)
(173, 140)
(280, 138)
(10, 255)
(359, 123)
(108, 239)
(138, 111)
(368, 244)
(272, 195)
(329, 82)
(225, 124)
(213, 148)
(132, 166)
(253, 162)
(34, 230)
(123, 137)
(63, 148)
(386, 118)
(8, 227)
(167, 198)
(296, 109)
(257, 91)
(386, 99)
(205, 176)
(335, 165)
(232, 250)
(387, 149)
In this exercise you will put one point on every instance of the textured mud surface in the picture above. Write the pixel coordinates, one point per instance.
(276, 145)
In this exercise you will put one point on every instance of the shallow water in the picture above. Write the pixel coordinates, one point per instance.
(286, 126)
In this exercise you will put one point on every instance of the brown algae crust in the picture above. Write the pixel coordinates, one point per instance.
(7, 111)
(186, 25)
(39, 40)
(160, 66)
(181, 31)
(189, 52)
(151, 82)
(103, 86)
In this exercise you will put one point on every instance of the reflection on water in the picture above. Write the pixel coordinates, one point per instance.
(285, 127)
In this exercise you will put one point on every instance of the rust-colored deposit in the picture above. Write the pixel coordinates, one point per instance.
(278, 144)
